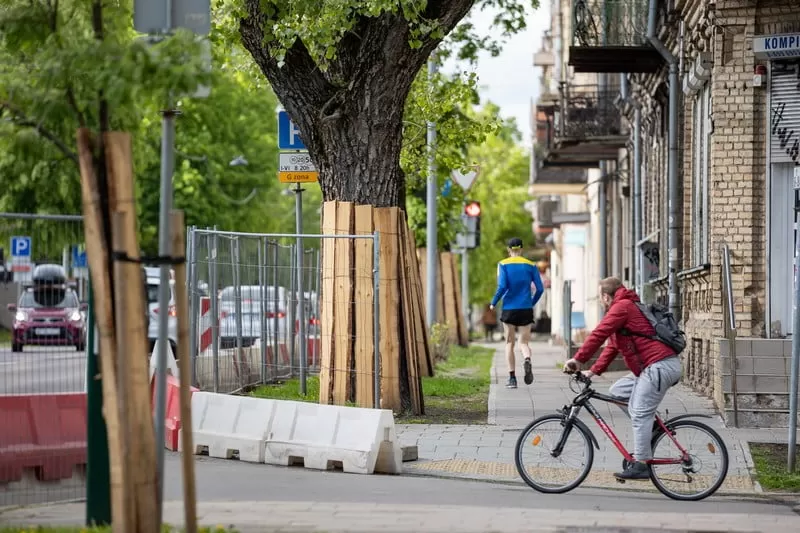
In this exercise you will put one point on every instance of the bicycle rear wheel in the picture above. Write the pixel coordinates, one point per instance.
(702, 474)
(549, 474)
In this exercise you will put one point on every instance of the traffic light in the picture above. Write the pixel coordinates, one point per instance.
(472, 219)
(472, 209)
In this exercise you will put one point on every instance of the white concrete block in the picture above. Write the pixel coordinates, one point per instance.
(172, 364)
(228, 425)
(323, 436)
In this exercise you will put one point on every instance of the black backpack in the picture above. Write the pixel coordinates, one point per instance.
(664, 324)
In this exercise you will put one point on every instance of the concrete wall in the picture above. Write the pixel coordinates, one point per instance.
(762, 381)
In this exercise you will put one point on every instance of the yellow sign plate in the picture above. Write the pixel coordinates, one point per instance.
(298, 177)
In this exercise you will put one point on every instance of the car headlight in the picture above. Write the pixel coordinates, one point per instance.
(21, 316)
(75, 316)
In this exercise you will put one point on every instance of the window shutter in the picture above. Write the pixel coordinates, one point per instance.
(785, 113)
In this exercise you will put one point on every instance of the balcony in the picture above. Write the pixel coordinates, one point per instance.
(611, 36)
(587, 128)
(554, 181)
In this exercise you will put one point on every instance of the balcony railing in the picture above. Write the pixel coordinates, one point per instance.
(609, 22)
(611, 36)
(588, 112)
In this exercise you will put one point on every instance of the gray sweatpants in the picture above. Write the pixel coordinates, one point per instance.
(644, 395)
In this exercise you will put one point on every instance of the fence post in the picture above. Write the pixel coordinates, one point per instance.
(237, 301)
(98, 470)
(276, 301)
(376, 321)
(290, 308)
(318, 283)
(194, 301)
(301, 343)
(213, 289)
(262, 284)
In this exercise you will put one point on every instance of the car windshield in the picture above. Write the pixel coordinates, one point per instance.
(49, 299)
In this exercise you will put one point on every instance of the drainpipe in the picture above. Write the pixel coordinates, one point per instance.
(673, 192)
(616, 234)
(603, 222)
(623, 86)
(637, 197)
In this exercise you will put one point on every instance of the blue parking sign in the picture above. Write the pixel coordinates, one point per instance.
(288, 134)
(78, 257)
(20, 246)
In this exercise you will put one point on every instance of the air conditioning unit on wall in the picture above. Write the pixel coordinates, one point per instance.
(698, 74)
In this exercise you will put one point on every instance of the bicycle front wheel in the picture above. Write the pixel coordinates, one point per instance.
(702, 474)
(544, 471)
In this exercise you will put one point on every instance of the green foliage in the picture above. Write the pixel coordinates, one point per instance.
(459, 391)
(502, 190)
(770, 466)
(439, 339)
(322, 25)
(447, 101)
(54, 73)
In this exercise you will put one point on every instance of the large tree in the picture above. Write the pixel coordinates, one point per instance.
(343, 71)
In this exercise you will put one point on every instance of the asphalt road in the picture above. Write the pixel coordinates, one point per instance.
(261, 498)
(41, 369)
(231, 481)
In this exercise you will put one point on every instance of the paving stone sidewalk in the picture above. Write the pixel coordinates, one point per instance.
(486, 452)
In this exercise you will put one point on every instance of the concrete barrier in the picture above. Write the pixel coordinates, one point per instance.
(45, 433)
(172, 364)
(229, 426)
(172, 421)
(285, 433)
(239, 371)
(360, 441)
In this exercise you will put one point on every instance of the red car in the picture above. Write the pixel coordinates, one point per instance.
(48, 316)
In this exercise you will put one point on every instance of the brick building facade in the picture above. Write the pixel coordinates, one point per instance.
(731, 192)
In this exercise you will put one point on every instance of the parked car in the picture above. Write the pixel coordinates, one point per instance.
(153, 282)
(274, 306)
(48, 312)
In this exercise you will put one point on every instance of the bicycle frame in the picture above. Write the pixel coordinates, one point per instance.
(583, 399)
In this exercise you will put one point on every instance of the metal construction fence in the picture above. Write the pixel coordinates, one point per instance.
(250, 321)
(42, 357)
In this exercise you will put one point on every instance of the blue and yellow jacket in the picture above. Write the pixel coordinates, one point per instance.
(514, 278)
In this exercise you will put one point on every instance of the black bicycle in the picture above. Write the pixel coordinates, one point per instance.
(677, 467)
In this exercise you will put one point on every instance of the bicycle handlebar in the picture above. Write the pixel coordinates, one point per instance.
(578, 376)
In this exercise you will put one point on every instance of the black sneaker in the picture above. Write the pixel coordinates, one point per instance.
(528, 371)
(511, 383)
(637, 471)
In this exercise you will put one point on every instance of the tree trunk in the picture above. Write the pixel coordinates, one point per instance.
(350, 116)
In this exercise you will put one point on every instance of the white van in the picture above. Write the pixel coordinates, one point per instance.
(275, 307)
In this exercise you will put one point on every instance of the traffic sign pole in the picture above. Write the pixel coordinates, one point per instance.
(295, 166)
(432, 228)
(301, 312)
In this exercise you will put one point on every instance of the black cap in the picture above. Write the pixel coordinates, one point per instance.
(515, 243)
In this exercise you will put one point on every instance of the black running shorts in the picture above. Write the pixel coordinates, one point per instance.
(517, 317)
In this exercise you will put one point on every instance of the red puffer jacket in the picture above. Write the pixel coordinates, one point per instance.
(638, 352)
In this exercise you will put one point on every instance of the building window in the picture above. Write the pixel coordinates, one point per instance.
(701, 145)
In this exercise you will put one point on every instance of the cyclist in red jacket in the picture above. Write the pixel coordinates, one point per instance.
(654, 366)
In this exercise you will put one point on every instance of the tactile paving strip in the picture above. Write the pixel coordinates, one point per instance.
(596, 478)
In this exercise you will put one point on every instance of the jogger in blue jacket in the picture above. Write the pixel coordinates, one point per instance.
(520, 287)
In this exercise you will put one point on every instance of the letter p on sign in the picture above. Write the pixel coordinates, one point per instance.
(20, 246)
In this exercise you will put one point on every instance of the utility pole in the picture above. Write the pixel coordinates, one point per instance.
(432, 229)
